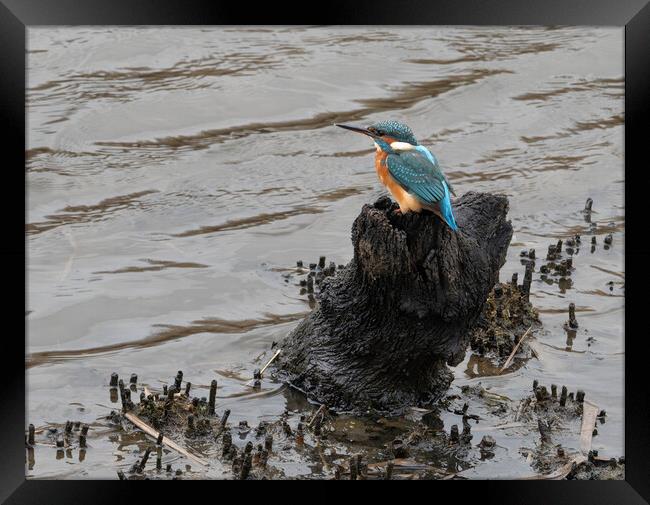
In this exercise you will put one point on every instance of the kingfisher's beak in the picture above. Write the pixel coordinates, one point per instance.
(355, 129)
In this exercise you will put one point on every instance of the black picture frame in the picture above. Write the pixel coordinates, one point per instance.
(17, 15)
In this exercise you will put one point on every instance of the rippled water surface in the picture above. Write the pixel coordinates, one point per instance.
(173, 172)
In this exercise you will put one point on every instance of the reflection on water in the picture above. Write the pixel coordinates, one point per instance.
(85, 213)
(163, 333)
(174, 173)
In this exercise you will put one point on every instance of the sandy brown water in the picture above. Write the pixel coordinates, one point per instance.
(172, 173)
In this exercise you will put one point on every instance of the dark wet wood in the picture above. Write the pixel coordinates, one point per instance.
(391, 319)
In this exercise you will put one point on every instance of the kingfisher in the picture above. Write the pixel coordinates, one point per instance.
(409, 171)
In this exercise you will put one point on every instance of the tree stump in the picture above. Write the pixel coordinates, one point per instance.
(389, 322)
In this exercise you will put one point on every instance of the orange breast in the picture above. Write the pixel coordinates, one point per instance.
(380, 167)
(406, 201)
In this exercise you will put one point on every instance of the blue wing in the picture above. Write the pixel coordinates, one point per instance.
(414, 171)
(434, 160)
(417, 175)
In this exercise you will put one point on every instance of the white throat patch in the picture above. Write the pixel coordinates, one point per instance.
(402, 146)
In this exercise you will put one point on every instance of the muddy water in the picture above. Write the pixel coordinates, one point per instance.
(173, 173)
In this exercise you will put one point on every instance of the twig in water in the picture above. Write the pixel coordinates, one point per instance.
(514, 351)
(154, 433)
(319, 447)
(504, 426)
(519, 410)
(277, 353)
(589, 413)
(311, 421)
(561, 472)
(404, 463)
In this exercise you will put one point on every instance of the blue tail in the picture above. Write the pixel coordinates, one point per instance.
(445, 209)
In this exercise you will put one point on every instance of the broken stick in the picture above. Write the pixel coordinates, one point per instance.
(589, 414)
(277, 353)
(561, 472)
(166, 441)
(311, 421)
(514, 351)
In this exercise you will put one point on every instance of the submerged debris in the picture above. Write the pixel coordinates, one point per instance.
(558, 269)
(418, 446)
(572, 323)
(506, 317)
(596, 468)
(333, 446)
(311, 282)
